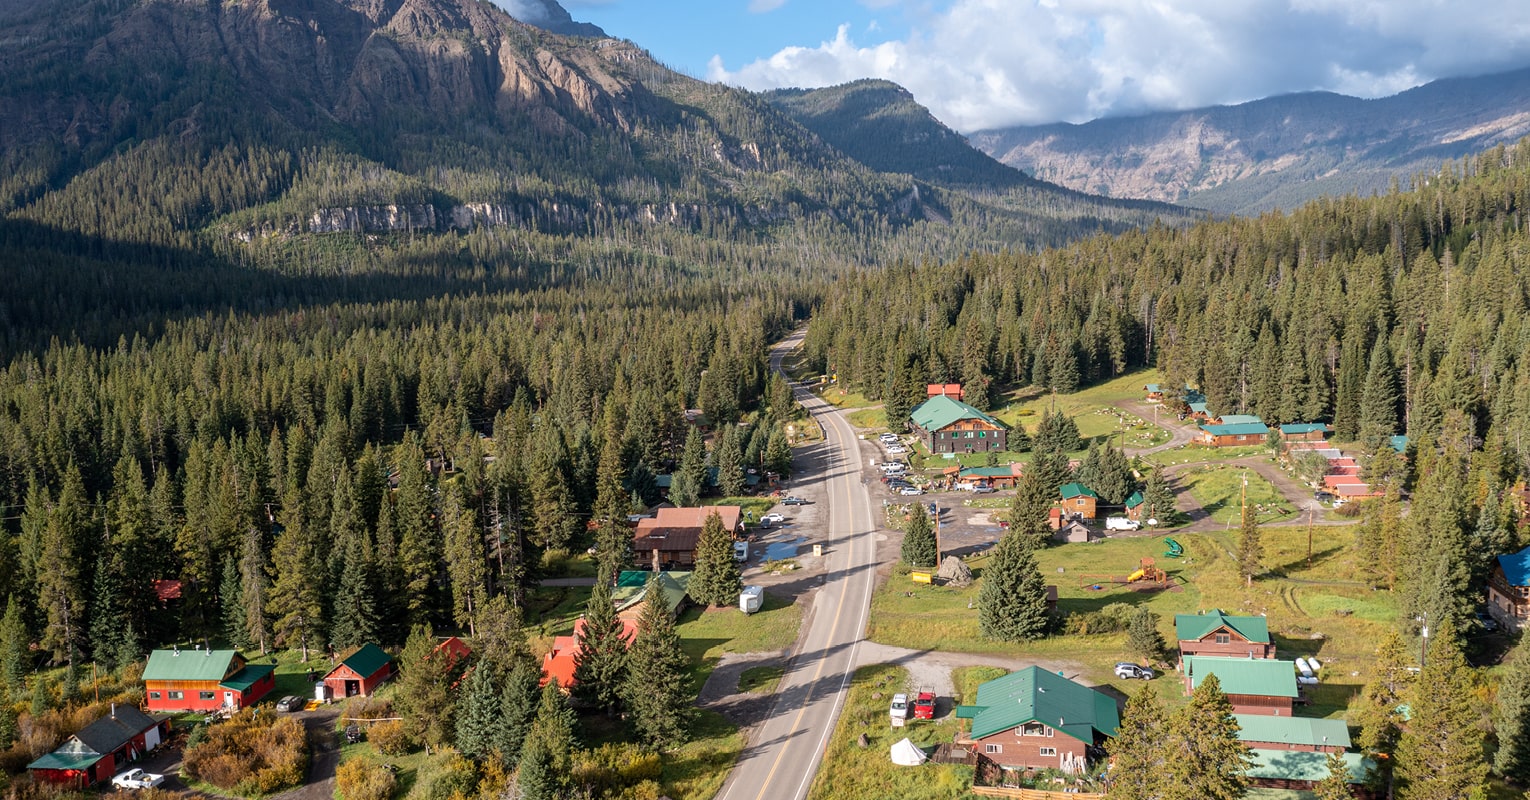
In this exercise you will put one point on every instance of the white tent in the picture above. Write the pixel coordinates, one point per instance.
(907, 754)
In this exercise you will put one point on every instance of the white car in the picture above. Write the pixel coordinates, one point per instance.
(772, 519)
(899, 709)
(137, 779)
(911, 490)
(897, 450)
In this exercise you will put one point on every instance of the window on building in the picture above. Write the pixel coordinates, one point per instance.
(153, 695)
(982, 434)
(1034, 729)
(969, 434)
(1048, 751)
(177, 695)
(1223, 638)
(207, 695)
(1080, 502)
(993, 748)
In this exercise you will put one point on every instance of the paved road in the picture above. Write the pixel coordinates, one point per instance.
(785, 750)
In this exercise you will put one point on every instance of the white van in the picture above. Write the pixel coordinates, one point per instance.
(1121, 524)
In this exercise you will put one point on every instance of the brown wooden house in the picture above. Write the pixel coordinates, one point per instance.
(1212, 633)
(1296, 734)
(668, 539)
(1508, 590)
(1078, 501)
(1236, 434)
(946, 425)
(1263, 686)
(1037, 719)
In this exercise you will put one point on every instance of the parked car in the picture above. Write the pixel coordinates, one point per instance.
(1323, 497)
(740, 551)
(793, 500)
(1121, 524)
(1128, 670)
(982, 488)
(772, 518)
(137, 779)
(924, 705)
(899, 709)
(897, 450)
(353, 733)
(289, 703)
(911, 490)
(888, 437)
(1486, 621)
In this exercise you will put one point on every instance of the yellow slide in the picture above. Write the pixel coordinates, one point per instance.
(1136, 576)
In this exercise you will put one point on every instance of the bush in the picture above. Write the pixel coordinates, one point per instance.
(359, 779)
(1112, 618)
(453, 777)
(390, 738)
(613, 768)
(254, 754)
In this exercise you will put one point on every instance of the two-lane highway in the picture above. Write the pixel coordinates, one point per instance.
(785, 750)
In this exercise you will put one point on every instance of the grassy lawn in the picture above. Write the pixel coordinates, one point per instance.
(760, 680)
(754, 507)
(838, 397)
(850, 772)
(868, 418)
(1195, 453)
(707, 634)
(1219, 490)
(1096, 410)
(553, 609)
(569, 565)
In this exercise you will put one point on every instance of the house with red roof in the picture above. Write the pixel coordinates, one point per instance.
(560, 662)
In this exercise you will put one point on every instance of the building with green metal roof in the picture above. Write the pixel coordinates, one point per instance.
(1240, 419)
(1242, 433)
(1035, 719)
(1213, 633)
(947, 425)
(1300, 770)
(1293, 733)
(179, 680)
(359, 673)
(631, 591)
(1252, 685)
(1078, 501)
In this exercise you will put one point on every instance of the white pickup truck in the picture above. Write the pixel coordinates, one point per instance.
(1121, 524)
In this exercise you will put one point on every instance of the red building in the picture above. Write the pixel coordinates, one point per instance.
(951, 390)
(1212, 633)
(1264, 686)
(100, 748)
(204, 680)
(360, 673)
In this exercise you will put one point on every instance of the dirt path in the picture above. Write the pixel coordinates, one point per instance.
(1292, 490)
(720, 693)
(325, 746)
(1179, 432)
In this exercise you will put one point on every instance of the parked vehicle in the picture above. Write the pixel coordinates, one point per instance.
(1128, 670)
(899, 709)
(911, 490)
(1121, 524)
(740, 551)
(289, 703)
(793, 500)
(982, 488)
(924, 705)
(888, 437)
(137, 779)
(897, 450)
(1323, 497)
(353, 733)
(772, 518)
(1486, 621)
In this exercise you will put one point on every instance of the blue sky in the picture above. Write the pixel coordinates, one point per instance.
(981, 64)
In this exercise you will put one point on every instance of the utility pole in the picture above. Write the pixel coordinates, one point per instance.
(1309, 537)
(937, 534)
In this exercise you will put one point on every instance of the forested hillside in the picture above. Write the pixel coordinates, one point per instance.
(257, 155)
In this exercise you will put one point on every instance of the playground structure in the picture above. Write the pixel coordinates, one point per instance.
(1175, 549)
(1147, 573)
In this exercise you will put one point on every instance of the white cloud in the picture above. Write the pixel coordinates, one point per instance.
(990, 63)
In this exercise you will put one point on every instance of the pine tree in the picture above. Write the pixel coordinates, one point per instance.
(419, 543)
(1012, 603)
(517, 706)
(600, 666)
(478, 714)
(919, 540)
(716, 580)
(59, 575)
(1377, 715)
(1511, 719)
(1057, 432)
(778, 453)
(1143, 636)
(354, 619)
(14, 658)
(1335, 785)
(127, 649)
(1138, 769)
(1210, 761)
(423, 693)
(1440, 755)
(254, 583)
(1250, 550)
(547, 757)
(465, 564)
(8, 728)
(693, 464)
(106, 608)
(1378, 400)
(657, 693)
(1157, 495)
(231, 594)
(730, 462)
(1051, 470)
(295, 601)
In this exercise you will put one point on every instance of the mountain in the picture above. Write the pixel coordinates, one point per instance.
(1273, 153)
(549, 16)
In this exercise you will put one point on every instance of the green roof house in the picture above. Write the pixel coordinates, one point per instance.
(1259, 686)
(947, 425)
(1241, 419)
(1078, 501)
(179, 680)
(1233, 435)
(1035, 719)
(631, 591)
(360, 673)
(1135, 505)
(1212, 633)
(1293, 733)
(1300, 770)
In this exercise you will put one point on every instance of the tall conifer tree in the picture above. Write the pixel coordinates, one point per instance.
(1012, 603)
(657, 692)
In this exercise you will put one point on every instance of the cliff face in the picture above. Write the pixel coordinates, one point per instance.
(1275, 152)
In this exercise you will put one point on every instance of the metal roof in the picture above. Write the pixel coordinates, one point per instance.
(1135, 500)
(190, 665)
(1303, 765)
(366, 661)
(632, 588)
(1302, 427)
(62, 760)
(1266, 677)
(1072, 490)
(1516, 567)
(1189, 627)
(1036, 695)
(242, 680)
(1293, 730)
(938, 412)
(1399, 443)
(988, 472)
(1237, 429)
(1241, 419)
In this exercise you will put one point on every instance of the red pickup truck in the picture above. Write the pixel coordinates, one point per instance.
(924, 705)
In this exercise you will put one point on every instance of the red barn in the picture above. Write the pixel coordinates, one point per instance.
(94, 754)
(360, 673)
(204, 680)
(1263, 686)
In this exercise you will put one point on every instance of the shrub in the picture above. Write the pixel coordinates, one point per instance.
(390, 738)
(1113, 618)
(359, 779)
(613, 768)
(445, 779)
(255, 754)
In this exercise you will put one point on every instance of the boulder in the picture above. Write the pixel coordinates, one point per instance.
(955, 572)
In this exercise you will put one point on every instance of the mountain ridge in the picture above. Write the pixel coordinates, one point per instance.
(1274, 152)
